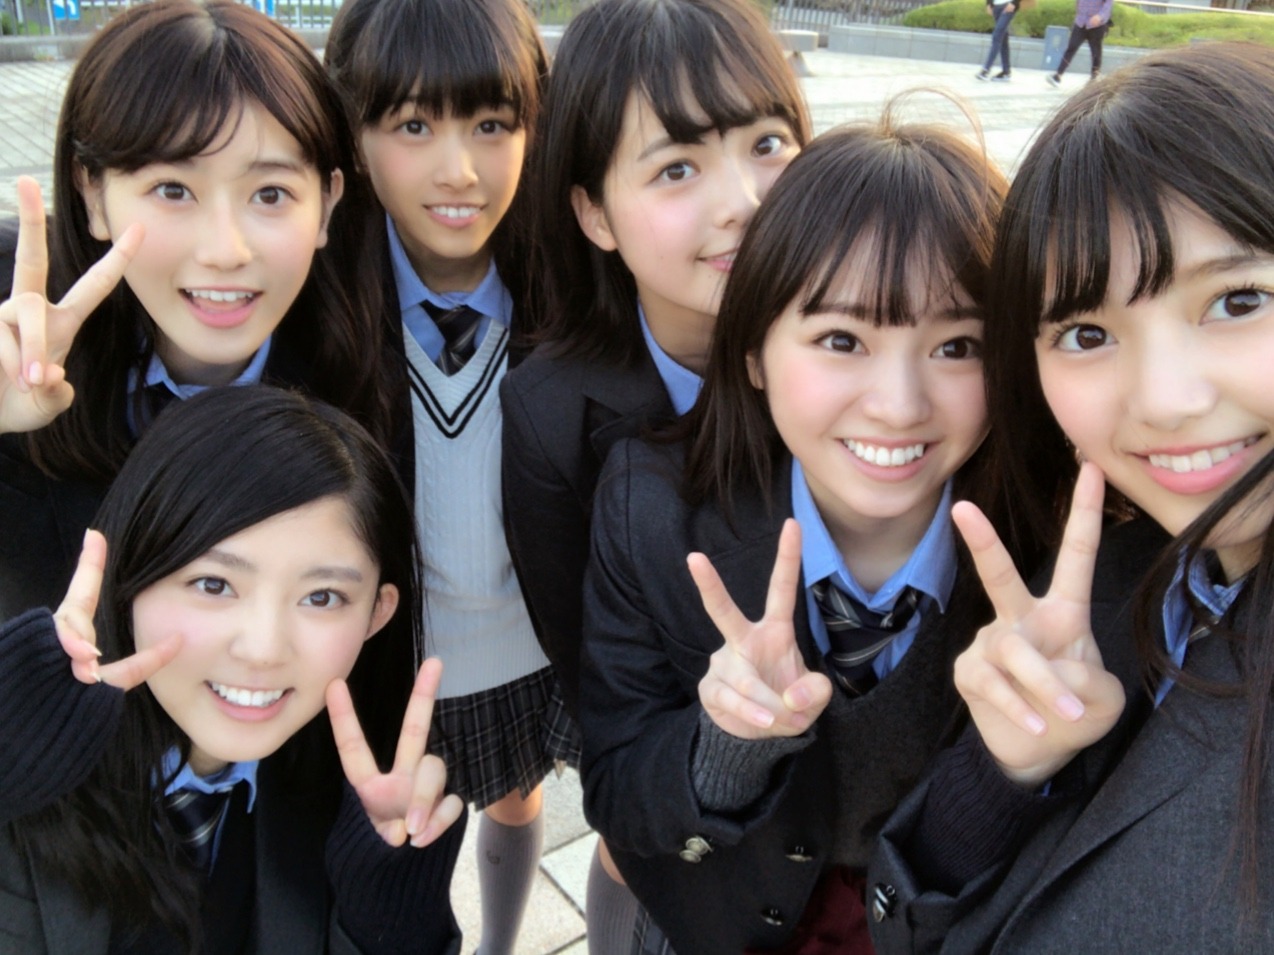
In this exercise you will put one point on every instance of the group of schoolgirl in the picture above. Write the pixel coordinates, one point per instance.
(728, 503)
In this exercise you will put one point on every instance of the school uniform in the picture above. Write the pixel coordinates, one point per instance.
(561, 418)
(8, 250)
(1129, 849)
(739, 876)
(303, 872)
(499, 724)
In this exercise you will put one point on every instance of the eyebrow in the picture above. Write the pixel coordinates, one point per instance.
(664, 142)
(323, 572)
(1238, 259)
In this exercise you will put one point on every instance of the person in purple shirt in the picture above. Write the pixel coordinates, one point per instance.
(1092, 20)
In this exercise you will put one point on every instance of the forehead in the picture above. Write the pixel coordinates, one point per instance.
(307, 534)
(864, 279)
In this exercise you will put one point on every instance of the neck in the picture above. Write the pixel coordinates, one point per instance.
(443, 275)
(686, 338)
(874, 549)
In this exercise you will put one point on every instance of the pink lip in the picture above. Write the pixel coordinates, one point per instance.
(1197, 482)
(217, 315)
(249, 714)
(722, 263)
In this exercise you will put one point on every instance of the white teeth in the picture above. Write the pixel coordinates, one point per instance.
(1198, 461)
(456, 212)
(885, 457)
(215, 295)
(242, 697)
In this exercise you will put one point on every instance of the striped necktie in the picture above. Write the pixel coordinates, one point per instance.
(857, 635)
(459, 327)
(195, 816)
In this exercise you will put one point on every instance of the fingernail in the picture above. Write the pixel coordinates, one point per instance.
(764, 718)
(420, 839)
(35, 373)
(1035, 725)
(1070, 707)
(797, 699)
(96, 652)
(415, 819)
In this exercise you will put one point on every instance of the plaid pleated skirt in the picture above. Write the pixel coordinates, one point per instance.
(506, 738)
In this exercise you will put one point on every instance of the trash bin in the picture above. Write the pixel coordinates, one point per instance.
(1055, 39)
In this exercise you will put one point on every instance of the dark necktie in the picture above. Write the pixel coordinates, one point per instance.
(459, 327)
(195, 816)
(857, 635)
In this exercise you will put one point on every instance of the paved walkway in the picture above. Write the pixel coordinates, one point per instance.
(840, 88)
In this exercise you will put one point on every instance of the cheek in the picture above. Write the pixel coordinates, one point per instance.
(1081, 405)
(802, 399)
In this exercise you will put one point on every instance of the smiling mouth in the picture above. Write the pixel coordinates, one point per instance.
(255, 699)
(1199, 460)
(885, 457)
(233, 298)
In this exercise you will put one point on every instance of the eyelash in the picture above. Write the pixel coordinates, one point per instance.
(340, 599)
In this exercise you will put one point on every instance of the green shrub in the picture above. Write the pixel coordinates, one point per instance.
(1129, 25)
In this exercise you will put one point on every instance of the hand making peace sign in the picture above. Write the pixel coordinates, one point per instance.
(78, 636)
(757, 684)
(35, 335)
(1033, 678)
(407, 802)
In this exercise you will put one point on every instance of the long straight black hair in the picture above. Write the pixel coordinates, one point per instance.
(160, 83)
(1183, 128)
(690, 58)
(207, 469)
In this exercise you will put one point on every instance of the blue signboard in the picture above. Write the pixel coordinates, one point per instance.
(68, 9)
(264, 6)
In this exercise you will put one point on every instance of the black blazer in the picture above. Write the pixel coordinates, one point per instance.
(8, 250)
(646, 646)
(561, 417)
(1141, 860)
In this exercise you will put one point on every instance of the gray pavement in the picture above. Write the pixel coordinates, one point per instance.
(840, 88)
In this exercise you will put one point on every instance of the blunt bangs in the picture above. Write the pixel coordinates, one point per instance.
(204, 64)
(1188, 126)
(445, 55)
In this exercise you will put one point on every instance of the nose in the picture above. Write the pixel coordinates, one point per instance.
(1164, 381)
(263, 638)
(897, 394)
(739, 192)
(221, 243)
(454, 168)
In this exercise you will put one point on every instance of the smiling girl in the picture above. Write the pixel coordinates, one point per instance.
(261, 554)
(1120, 760)
(653, 157)
(739, 770)
(203, 141)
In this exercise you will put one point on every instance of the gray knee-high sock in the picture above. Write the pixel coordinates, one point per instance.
(508, 857)
(610, 912)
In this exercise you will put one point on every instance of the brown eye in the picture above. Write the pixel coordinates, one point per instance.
(1082, 338)
(1238, 304)
(960, 348)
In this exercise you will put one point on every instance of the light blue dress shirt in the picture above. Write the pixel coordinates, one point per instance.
(683, 385)
(220, 782)
(931, 569)
(491, 299)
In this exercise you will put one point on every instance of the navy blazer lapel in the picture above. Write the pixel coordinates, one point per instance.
(1173, 749)
(620, 402)
(69, 928)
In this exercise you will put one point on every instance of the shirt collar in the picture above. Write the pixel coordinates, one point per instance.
(490, 298)
(931, 568)
(681, 383)
(1216, 599)
(223, 781)
(157, 374)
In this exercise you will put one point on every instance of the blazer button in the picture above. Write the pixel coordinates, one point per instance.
(799, 854)
(772, 916)
(698, 845)
(883, 901)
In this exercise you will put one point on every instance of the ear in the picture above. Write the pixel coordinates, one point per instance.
(756, 374)
(592, 220)
(93, 194)
(331, 196)
(383, 611)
